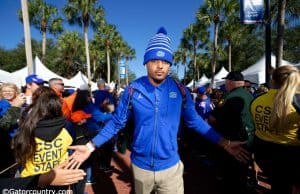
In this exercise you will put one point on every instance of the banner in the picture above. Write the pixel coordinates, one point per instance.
(122, 69)
(252, 11)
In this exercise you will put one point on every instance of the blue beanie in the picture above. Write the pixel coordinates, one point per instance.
(159, 48)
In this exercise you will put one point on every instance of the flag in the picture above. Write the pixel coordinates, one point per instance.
(252, 11)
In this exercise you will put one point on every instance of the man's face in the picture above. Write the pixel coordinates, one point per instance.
(58, 85)
(157, 71)
(228, 85)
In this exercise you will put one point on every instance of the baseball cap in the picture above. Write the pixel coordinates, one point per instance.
(79, 115)
(33, 78)
(234, 76)
(101, 82)
(201, 90)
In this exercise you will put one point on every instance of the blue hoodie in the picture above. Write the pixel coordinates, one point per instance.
(156, 113)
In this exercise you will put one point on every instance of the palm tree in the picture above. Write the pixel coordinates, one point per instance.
(97, 54)
(231, 31)
(118, 48)
(180, 56)
(213, 12)
(44, 17)
(196, 37)
(84, 13)
(290, 9)
(28, 49)
(129, 54)
(105, 35)
(71, 54)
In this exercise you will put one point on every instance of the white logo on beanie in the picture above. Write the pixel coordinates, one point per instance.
(160, 53)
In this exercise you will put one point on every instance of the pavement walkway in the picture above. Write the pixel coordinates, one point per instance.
(198, 178)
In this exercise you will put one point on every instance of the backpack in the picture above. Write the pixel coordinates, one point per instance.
(125, 135)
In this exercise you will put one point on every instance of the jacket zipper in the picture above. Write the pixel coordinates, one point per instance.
(154, 132)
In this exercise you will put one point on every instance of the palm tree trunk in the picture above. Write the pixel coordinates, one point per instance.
(126, 72)
(86, 42)
(280, 31)
(26, 25)
(184, 78)
(195, 67)
(118, 73)
(94, 67)
(44, 40)
(214, 58)
(229, 55)
(108, 66)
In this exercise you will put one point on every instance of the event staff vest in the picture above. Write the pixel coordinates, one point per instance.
(48, 154)
(261, 109)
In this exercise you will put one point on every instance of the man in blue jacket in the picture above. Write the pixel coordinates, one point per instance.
(156, 108)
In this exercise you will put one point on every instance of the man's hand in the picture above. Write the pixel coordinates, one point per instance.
(236, 150)
(80, 154)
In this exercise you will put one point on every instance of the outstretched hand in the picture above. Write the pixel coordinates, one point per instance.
(61, 175)
(80, 154)
(235, 148)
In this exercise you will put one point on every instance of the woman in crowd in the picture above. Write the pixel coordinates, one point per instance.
(41, 142)
(10, 110)
(277, 120)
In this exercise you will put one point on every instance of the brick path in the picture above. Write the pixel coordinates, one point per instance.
(198, 178)
(119, 182)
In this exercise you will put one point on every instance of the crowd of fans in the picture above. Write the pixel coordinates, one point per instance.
(38, 123)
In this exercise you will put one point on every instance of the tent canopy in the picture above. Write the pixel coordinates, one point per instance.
(80, 79)
(40, 69)
(256, 72)
(6, 77)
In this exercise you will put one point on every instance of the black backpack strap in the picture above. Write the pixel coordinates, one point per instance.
(182, 90)
(130, 94)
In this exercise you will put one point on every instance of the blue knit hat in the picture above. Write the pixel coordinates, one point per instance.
(159, 48)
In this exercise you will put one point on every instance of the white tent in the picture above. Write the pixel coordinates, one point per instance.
(219, 77)
(6, 77)
(203, 80)
(221, 74)
(40, 69)
(256, 72)
(80, 79)
(191, 84)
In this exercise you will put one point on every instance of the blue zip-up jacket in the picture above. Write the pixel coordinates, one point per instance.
(156, 113)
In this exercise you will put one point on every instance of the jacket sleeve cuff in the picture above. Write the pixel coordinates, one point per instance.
(212, 136)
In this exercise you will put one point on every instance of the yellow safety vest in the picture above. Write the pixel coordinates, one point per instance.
(48, 154)
(261, 109)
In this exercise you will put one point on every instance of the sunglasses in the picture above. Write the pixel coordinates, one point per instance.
(62, 84)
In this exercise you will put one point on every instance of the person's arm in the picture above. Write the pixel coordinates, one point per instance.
(118, 121)
(97, 115)
(13, 113)
(10, 118)
(59, 176)
(193, 120)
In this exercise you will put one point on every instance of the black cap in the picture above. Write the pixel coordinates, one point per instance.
(234, 76)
